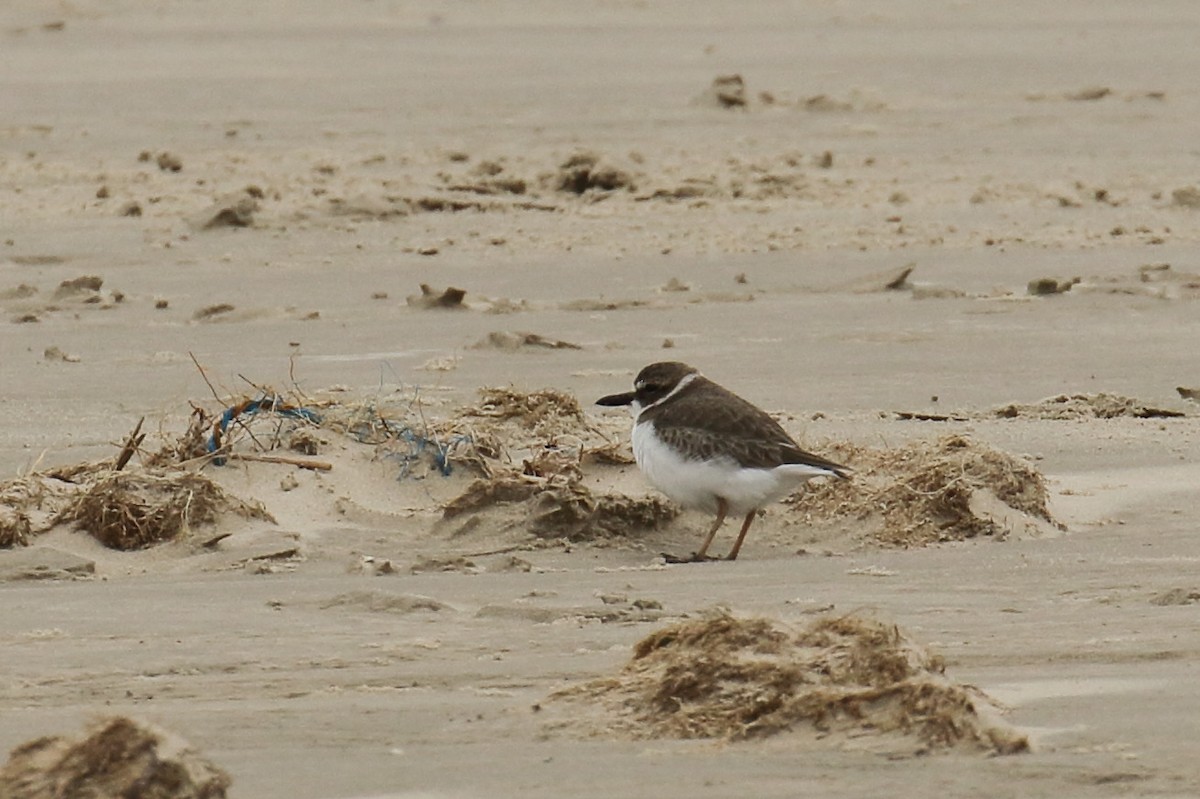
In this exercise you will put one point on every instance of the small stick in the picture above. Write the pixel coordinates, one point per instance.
(265, 391)
(320, 466)
(131, 446)
(216, 396)
(500, 551)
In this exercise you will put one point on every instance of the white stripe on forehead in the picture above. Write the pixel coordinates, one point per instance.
(678, 387)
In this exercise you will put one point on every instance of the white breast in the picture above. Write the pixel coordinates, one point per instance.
(698, 484)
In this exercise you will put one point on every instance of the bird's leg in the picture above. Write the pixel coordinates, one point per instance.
(722, 507)
(733, 553)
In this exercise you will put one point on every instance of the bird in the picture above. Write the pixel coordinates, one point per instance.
(708, 449)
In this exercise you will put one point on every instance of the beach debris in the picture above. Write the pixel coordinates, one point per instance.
(431, 298)
(1088, 93)
(271, 403)
(446, 563)
(305, 440)
(385, 602)
(135, 510)
(586, 172)
(891, 279)
(950, 489)
(1192, 394)
(132, 442)
(1085, 406)
(486, 492)
(116, 757)
(211, 312)
(726, 91)
(564, 508)
(823, 103)
(577, 513)
(15, 527)
(1176, 596)
(593, 305)
(231, 210)
(21, 291)
(1043, 286)
(512, 341)
(56, 354)
(168, 162)
(547, 411)
(84, 284)
(744, 678)
(30, 504)
(560, 507)
(923, 416)
(1186, 197)
(488, 178)
(1155, 273)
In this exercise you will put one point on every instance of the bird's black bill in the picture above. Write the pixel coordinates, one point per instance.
(616, 399)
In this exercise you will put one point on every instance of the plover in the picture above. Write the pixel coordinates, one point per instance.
(708, 449)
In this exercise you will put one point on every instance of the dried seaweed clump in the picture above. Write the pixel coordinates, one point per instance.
(1085, 406)
(562, 509)
(15, 527)
(535, 410)
(193, 443)
(724, 677)
(119, 757)
(927, 492)
(586, 172)
(135, 510)
(29, 505)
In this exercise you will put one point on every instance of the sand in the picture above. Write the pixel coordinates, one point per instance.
(890, 224)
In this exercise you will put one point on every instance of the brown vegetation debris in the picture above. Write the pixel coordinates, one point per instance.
(135, 510)
(586, 171)
(1043, 286)
(533, 410)
(232, 210)
(305, 441)
(210, 311)
(193, 443)
(485, 492)
(725, 677)
(1084, 406)
(431, 298)
(559, 508)
(576, 513)
(612, 453)
(119, 757)
(21, 291)
(487, 178)
(15, 527)
(1186, 197)
(1089, 93)
(85, 284)
(29, 505)
(1176, 596)
(511, 341)
(927, 492)
(726, 91)
(169, 162)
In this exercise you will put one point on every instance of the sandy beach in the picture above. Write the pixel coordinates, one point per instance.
(951, 244)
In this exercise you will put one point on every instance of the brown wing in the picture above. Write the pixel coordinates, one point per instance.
(733, 428)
